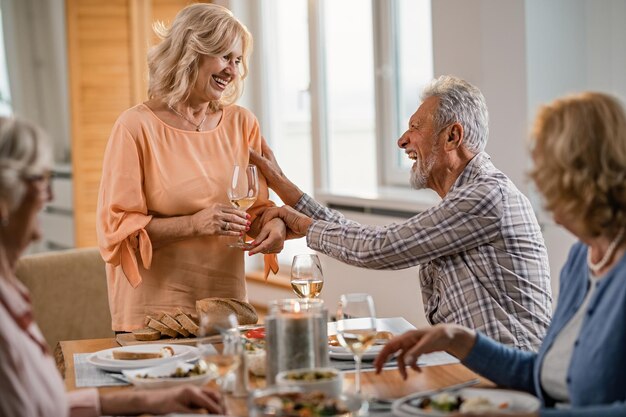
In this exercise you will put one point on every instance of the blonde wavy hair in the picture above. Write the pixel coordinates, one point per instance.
(198, 29)
(579, 154)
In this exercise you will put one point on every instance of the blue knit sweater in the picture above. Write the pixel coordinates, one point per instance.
(597, 373)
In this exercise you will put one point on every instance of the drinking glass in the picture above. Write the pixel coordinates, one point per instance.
(228, 359)
(243, 191)
(307, 279)
(356, 327)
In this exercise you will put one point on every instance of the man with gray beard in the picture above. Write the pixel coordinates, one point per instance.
(483, 262)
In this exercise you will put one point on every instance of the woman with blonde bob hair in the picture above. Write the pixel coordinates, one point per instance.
(164, 218)
(579, 154)
(30, 384)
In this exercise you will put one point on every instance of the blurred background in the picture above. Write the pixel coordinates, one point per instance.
(333, 83)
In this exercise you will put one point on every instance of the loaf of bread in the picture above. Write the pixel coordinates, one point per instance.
(222, 307)
(146, 334)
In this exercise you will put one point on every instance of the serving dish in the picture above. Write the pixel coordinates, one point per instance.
(282, 401)
(326, 380)
(104, 359)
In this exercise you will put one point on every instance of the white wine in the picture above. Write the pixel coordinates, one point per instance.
(243, 203)
(221, 364)
(307, 288)
(357, 340)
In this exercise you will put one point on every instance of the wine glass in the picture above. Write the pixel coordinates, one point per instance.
(229, 358)
(243, 191)
(307, 279)
(356, 327)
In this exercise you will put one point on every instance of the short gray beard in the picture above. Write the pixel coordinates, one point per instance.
(419, 174)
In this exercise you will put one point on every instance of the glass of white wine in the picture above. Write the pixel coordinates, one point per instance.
(229, 358)
(243, 192)
(307, 279)
(356, 328)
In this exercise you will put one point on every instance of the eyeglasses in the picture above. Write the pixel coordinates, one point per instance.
(45, 176)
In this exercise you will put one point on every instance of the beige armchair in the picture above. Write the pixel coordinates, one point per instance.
(69, 294)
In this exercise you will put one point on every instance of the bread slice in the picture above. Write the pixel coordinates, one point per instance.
(152, 316)
(187, 322)
(171, 322)
(146, 334)
(157, 325)
(130, 356)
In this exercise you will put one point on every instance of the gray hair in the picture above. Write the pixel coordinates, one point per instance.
(460, 101)
(24, 150)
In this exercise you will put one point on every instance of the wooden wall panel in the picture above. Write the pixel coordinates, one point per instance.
(107, 45)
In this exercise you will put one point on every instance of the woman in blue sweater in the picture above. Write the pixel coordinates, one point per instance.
(579, 154)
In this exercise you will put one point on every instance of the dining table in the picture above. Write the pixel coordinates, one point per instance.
(386, 386)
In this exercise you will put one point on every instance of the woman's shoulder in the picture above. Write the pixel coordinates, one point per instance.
(135, 117)
(236, 113)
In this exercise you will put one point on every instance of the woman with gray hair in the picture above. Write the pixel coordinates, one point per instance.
(30, 384)
(579, 154)
(164, 218)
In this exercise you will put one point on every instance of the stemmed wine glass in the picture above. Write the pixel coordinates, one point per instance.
(228, 359)
(243, 191)
(307, 279)
(356, 327)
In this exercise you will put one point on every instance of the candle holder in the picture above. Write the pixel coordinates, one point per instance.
(296, 336)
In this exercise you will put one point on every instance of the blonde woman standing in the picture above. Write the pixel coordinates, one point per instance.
(164, 219)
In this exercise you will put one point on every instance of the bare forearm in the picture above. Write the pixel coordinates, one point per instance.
(163, 231)
(286, 190)
(121, 403)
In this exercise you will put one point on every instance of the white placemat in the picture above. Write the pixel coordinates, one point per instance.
(88, 375)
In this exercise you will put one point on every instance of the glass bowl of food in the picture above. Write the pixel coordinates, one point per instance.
(326, 380)
(291, 401)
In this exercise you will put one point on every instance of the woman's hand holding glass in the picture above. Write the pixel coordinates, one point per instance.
(220, 219)
(307, 279)
(356, 327)
(243, 192)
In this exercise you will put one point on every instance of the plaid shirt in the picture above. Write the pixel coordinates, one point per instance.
(483, 262)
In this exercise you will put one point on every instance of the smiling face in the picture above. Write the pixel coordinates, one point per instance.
(215, 73)
(420, 143)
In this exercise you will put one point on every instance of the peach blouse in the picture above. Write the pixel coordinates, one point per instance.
(153, 169)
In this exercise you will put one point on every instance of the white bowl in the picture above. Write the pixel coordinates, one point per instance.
(326, 380)
(159, 376)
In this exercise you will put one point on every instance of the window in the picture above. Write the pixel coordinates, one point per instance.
(5, 95)
(339, 81)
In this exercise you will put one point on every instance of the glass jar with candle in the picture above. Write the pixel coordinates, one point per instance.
(296, 336)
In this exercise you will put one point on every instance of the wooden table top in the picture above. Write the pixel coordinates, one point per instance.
(387, 385)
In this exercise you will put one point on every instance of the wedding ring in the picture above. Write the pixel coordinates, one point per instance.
(227, 226)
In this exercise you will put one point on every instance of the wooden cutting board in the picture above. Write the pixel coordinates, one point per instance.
(128, 339)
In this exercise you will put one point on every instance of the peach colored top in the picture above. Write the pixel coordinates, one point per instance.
(153, 169)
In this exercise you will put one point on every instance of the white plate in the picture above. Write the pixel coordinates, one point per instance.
(159, 376)
(394, 325)
(104, 358)
(518, 402)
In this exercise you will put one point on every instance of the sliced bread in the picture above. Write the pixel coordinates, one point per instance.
(146, 334)
(157, 325)
(171, 322)
(187, 322)
(222, 307)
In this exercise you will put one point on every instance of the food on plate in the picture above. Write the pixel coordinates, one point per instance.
(246, 314)
(381, 338)
(311, 375)
(198, 369)
(298, 404)
(258, 333)
(254, 346)
(164, 352)
(448, 402)
(146, 334)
